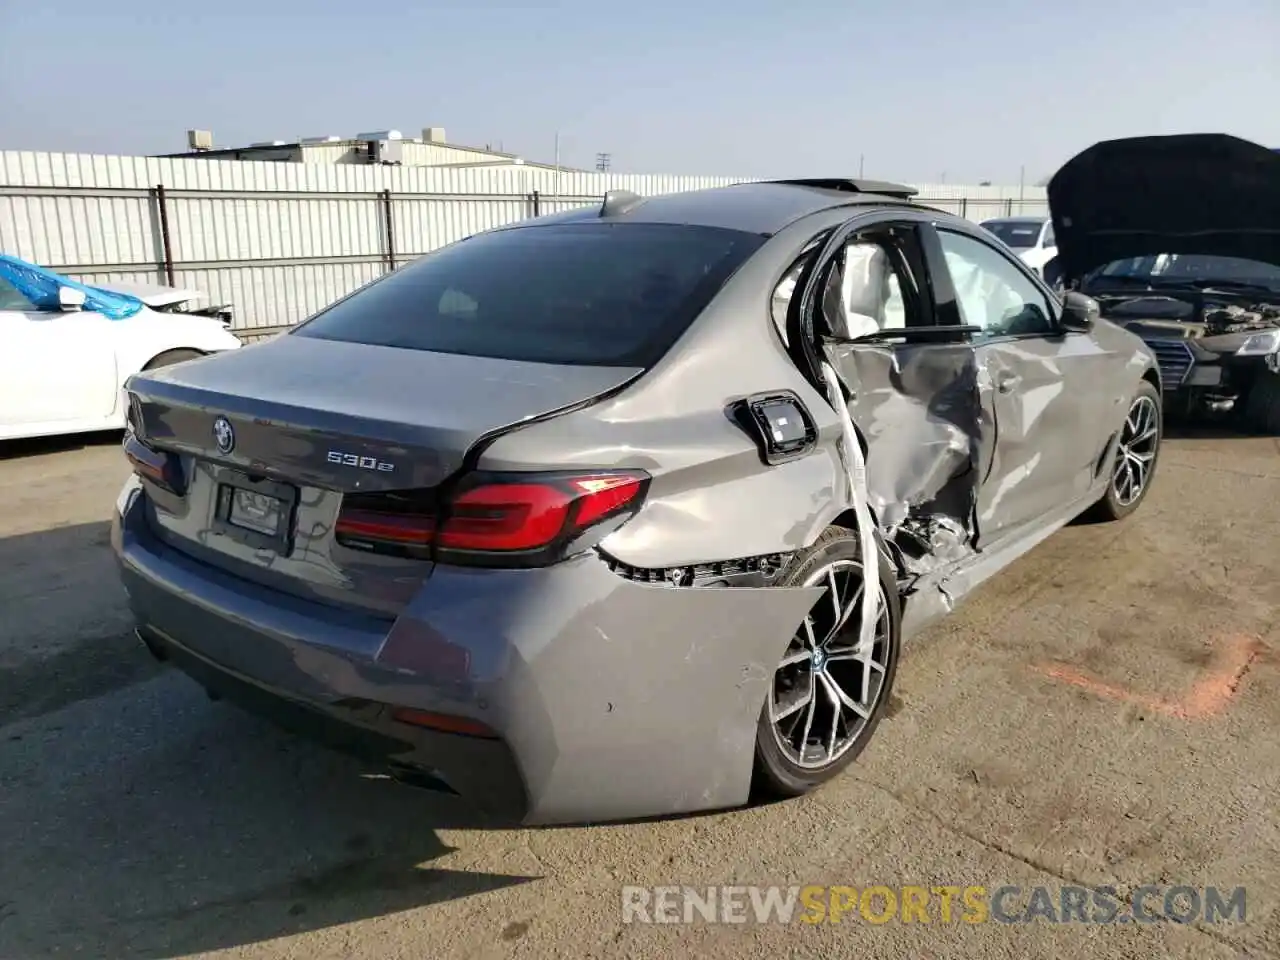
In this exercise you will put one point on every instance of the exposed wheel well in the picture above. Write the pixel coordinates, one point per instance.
(1152, 377)
(849, 518)
(885, 547)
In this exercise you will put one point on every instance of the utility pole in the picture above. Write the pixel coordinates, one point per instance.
(602, 162)
(861, 157)
(557, 163)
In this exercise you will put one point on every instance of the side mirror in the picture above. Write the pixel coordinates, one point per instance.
(69, 299)
(1079, 312)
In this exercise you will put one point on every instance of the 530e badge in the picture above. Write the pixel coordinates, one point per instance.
(363, 463)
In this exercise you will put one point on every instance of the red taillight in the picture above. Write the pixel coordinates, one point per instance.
(444, 722)
(530, 516)
(409, 530)
(526, 516)
(160, 468)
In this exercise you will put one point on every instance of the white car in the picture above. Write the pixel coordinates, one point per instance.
(1031, 238)
(66, 349)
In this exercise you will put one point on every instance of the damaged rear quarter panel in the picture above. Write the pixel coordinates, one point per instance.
(712, 498)
(618, 698)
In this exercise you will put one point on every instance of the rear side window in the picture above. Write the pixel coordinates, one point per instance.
(1018, 234)
(592, 293)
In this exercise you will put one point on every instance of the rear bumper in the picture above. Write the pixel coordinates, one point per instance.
(611, 699)
(481, 769)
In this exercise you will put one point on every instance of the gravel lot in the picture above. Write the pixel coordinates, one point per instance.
(1105, 711)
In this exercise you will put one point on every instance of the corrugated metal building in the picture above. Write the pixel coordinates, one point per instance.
(389, 147)
(279, 240)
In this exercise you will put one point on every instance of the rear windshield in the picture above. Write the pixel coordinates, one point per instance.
(590, 293)
(1015, 233)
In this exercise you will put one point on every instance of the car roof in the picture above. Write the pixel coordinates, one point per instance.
(1018, 219)
(764, 207)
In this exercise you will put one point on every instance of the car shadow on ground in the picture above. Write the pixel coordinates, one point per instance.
(38, 446)
(1208, 430)
(197, 828)
(1181, 425)
(1185, 428)
(137, 818)
(65, 633)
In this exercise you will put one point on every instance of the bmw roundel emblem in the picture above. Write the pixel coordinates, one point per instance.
(224, 435)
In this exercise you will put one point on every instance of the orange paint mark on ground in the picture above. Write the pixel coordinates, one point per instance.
(1209, 696)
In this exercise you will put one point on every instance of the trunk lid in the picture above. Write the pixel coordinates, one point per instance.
(155, 296)
(303, 421)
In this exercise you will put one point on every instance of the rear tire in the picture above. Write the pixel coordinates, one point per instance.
(787, 763)
(1262, 406)
(1136, 457)
(170, 357)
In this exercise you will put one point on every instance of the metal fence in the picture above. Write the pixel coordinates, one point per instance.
(280, 243)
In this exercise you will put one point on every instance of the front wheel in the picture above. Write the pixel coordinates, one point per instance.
(1137, 451)
(827, 696)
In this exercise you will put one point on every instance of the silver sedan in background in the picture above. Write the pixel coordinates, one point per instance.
(621, 511)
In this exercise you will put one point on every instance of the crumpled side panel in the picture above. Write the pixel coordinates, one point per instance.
(928, 437)
(40, 286)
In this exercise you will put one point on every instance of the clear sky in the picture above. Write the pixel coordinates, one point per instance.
(913, 89)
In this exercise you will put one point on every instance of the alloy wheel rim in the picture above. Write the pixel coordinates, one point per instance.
(826, 689)
(1136, 452)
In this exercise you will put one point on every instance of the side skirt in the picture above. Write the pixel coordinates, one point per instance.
(940, 592)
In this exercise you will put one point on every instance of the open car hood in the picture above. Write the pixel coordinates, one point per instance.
(154, 296)
(1200, 193)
